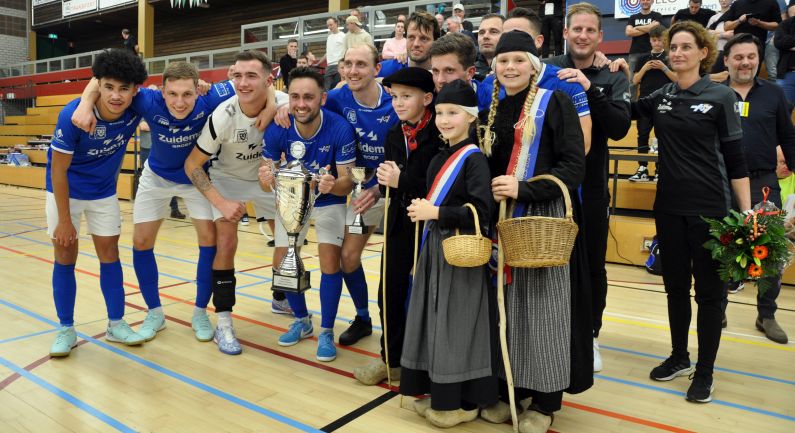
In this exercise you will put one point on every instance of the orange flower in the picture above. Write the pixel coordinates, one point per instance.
(760, 252)
(754, 271)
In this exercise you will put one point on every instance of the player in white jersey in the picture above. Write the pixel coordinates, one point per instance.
(231, 136)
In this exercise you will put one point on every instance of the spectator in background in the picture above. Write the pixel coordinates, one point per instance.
(358, 14)
(396, 45)
(756, 17)
(302, 61)
(488, 35)
(458, 11)
(400, 19)
(551, 12)
(693, 12)
(453, 25)
(766, 124)
(129, 41)
(651, 73)
(335, 48)
(356, 34)
(716, 28)
(638, 28)
(289, 61)
(785, 42)
(440, 20)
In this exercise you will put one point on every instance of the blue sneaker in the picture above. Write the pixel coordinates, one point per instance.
(300, 329)
(326, 351)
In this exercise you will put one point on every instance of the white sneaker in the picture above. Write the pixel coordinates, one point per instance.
(642, 175)
(597, 357)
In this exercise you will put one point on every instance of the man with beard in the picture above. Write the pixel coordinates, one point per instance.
(421, 30)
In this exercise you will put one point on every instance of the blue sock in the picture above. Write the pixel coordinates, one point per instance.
(204, 276)
(357, 287)
(111, 282)
(146, 271)
(298, 304)
(330, 292)
(64, 289)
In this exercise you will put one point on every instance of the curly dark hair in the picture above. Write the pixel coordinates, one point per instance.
(120, 65)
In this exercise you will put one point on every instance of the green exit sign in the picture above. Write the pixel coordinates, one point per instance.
(52, 36)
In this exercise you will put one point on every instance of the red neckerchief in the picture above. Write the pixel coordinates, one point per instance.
(410, 132)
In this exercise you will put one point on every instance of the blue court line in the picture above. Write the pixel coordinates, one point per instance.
(682, 394)
(173, 374)
(727, 370)
(26, 336)
(96, 413)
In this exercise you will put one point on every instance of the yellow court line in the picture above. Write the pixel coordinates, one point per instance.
(785, 348)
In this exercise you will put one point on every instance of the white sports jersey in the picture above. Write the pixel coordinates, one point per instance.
(231, 137)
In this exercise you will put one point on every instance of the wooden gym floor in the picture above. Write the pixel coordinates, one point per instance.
(176, 384)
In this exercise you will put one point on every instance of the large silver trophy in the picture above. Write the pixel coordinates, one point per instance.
(360, 176)
(294, 187)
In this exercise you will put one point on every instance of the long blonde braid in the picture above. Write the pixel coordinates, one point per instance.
(529, 127)
(485, 134)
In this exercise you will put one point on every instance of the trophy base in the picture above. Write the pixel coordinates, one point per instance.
(358, 230)
(290, 284)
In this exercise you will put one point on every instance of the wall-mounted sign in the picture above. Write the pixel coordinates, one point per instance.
(625, 8)
(73, 7)
(104, 4)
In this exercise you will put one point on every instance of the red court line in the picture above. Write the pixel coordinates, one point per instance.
(328, 368)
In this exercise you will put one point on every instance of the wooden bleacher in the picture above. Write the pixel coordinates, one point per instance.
(36, 127)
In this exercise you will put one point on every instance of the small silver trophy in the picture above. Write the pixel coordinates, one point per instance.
(294, 187)
(360, 176)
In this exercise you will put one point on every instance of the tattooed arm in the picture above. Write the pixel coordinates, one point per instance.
(194, 168)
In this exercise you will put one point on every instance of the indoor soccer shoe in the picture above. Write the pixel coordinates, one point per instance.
(300, 329)
(326, 351)
(701, 388)
(153, 323)
(122, 333)
(226, 340)
(641, 175)
(670, 369)
(202, 327)
(65, 341)
(281, 307)
(359, 329)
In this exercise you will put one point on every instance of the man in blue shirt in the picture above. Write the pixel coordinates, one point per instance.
(82, 170)
(318, 138)
(176, 116)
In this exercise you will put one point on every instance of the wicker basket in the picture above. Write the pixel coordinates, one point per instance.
(467, 251)
(536, 241)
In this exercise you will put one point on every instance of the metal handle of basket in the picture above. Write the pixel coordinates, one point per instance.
(566, 196)
(477, 221)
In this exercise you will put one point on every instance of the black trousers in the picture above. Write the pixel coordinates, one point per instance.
(544, 402)
(644, 125)
(552, 27)
(683, 255)
(765, 304)
(596, 216)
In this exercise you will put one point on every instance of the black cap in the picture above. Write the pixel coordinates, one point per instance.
(457, 92)
(412, 77)
(516, 40)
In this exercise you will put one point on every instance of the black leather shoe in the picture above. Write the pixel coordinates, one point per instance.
(359, 328)
(175, 213)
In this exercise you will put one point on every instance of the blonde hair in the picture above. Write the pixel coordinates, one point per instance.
(486, 135)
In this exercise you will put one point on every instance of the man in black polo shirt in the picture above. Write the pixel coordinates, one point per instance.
(756, 17)
(608, 98)
(638, 28)
(693, 12)
(766, 123)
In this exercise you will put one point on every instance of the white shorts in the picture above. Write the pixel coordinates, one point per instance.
(154, 194)
(329, 226)
(373, 217)
(245, 190)
(103, 216)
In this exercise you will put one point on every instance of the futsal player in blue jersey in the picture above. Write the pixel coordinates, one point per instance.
(318, 138)
(366, 105)
(81, 178)
(176, 116)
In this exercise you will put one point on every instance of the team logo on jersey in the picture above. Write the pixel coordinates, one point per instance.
(230, 110)
(350, 114)
(199, 116)
(161, 120)
(241, 135)
(701, 108)
(665, 106)
(221, 89)
(297, 149)
(100, 132)
(252, 146)
(58, 134)
(384, 119)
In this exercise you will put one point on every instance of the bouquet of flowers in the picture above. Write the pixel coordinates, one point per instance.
(750, 246)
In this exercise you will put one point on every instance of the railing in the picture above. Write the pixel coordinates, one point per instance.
(211, 59)
(53, 64)
(311, 31)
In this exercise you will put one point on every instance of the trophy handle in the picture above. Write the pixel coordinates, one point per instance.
(274, 170)
(316, 178)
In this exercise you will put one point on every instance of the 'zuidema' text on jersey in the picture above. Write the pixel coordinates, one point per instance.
(371, 124)
(234, 140)
(173, 139)
(96, 158)
(332, 144)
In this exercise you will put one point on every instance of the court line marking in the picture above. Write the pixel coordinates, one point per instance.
(173, 374)
(58, 392)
